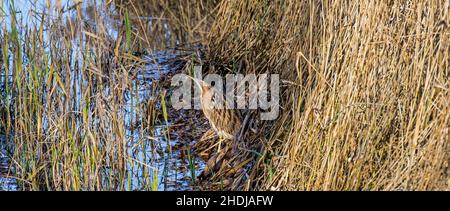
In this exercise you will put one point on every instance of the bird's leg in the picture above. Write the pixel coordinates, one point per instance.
(210, 134)
(245, 125)
(235, 148)
(220, 143)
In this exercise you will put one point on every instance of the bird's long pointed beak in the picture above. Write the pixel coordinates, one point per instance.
(196, 81)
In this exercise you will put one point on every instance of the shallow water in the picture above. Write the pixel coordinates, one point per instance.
(159, 158)
(164, 154)
(6, 183)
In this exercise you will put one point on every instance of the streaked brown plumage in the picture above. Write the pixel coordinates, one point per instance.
(225, 122)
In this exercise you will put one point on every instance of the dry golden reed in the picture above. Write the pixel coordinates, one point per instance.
(366, 90)
(364, 95)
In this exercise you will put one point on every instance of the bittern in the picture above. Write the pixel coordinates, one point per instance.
(226, 123)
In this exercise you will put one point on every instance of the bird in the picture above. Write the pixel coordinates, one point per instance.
(226, 123)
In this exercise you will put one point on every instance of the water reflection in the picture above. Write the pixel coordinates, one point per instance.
(7, 183)
(157, 156)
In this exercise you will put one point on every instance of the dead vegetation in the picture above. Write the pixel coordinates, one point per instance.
(364, 96)
(366, 93)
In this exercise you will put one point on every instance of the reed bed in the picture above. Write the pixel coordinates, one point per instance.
(65, 119)
(364, 96)
(171, 24)
(70, 105)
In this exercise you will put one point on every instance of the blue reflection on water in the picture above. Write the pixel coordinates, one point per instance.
(151, 163)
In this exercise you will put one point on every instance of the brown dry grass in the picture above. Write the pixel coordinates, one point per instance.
(366, 93)
(165, 24)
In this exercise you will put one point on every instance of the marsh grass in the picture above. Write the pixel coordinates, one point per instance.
(56, 92)
(70, 106)
(364, 96)
(365, 93)
(170, 24)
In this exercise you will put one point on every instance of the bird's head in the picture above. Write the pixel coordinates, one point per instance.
(204, 87)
